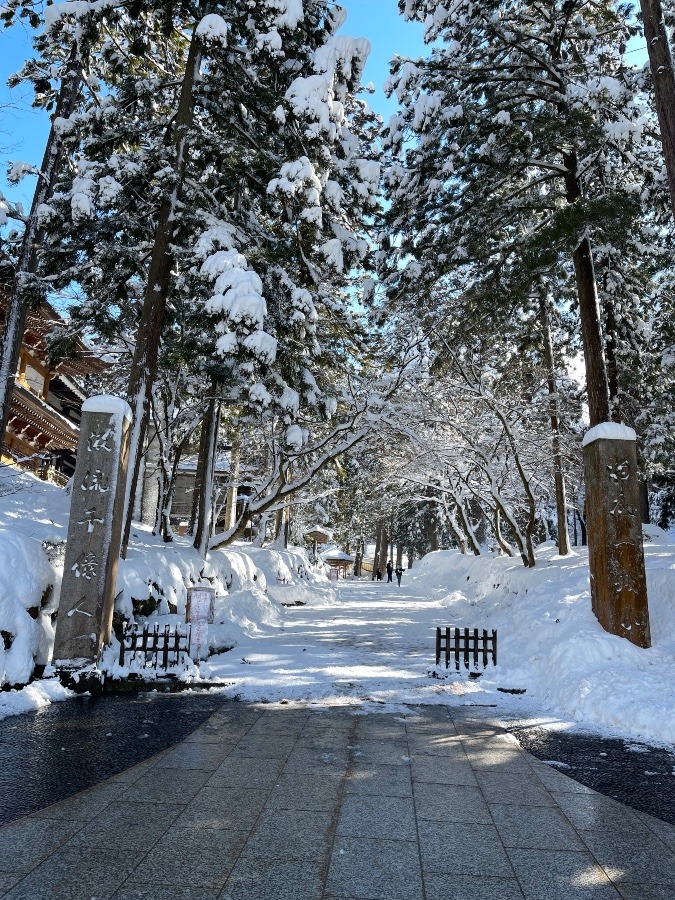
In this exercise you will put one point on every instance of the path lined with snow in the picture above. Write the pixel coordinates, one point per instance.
(375, 643)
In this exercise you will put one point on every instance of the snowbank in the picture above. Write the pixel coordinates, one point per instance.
(551, 644)
(252, 585)
(26, 585)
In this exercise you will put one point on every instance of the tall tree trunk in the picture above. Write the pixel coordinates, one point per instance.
(574, 520)
(457, 532)
(504, 545)
(384, 549)
(358, 558)
(460, 524)
(144, 364)
(151, 476)
(283, 517)
(168, 494)
(430, 528)
(231, 503)
(199, 474)
(611, 344)
(465, 523)
(287, 525)
(663, 76)
(378, 547)
(597, 387)
(205, 518)
(558, 472)
(278, 524)
(582, 525)
(20, 299)
(261, 531)
(644, 502)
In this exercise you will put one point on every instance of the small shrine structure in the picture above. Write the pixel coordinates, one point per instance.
(339, 560)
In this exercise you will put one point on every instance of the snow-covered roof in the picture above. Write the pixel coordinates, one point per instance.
(321, 535)
(336, 556)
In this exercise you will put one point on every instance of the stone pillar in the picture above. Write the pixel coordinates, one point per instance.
(615, 554)
(84, 619)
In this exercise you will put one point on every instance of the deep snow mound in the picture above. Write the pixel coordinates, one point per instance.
(551, 644)
(252, 584)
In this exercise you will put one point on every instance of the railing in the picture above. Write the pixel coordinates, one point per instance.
(468, 645)
(156, 648)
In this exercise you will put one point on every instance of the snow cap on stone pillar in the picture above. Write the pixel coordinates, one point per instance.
(609, 431)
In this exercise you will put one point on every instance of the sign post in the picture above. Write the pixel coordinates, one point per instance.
(615, 553)
(200, 613)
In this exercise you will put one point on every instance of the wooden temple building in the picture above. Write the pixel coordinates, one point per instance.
(44, 419)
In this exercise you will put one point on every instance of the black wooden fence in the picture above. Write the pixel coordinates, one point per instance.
(470, 646)
(155, 648)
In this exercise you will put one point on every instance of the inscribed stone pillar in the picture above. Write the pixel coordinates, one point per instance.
(84, 619)
(615, 553)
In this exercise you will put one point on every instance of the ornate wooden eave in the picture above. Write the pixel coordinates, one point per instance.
(32, 419)
(40, 323)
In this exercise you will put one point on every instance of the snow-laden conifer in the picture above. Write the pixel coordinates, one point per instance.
(221, 171)
(522, 137)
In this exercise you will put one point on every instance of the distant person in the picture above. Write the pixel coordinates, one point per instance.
(398, 571)
(390, 570)
(379, 575)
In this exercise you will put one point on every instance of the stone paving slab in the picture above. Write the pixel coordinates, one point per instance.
(272, 802)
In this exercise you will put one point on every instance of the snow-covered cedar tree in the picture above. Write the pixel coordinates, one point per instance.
(21, 10)
(297, 464)
(525, 138)
(473, 450)
(221, 174)
(57, 77)
(278, 260)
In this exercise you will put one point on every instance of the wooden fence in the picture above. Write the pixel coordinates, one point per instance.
(468, 645)
(155, 648)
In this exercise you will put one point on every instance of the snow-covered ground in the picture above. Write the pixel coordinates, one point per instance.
(371, 644)
(375, 645)
(251, 585)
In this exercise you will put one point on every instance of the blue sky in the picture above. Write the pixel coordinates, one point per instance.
(23, 130)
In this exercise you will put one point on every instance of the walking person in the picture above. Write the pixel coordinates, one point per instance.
(390, 571)
(398, 571)
(379, 575)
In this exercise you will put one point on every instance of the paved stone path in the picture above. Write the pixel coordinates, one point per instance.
(283, 803)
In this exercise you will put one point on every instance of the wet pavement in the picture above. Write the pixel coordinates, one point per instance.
(68, 747)
(285, 803)
(636, 774)
(52, 754)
